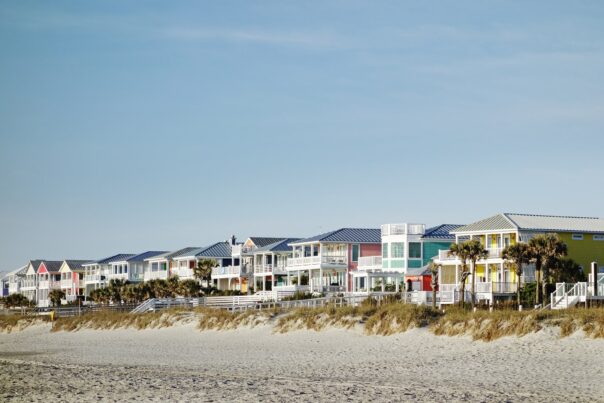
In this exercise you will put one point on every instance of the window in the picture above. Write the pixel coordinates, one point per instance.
(415, 250)
(577, 237)
(355, 253)
(384, 251)
(398, 250)
(599, 237)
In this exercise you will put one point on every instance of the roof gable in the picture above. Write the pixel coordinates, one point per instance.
(261, 242)
(495, 223)
(280, 246)
(50, 266)
(72, 265)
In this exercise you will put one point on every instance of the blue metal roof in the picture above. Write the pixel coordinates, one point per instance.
(280, 246)
(146, 255)
(120, 257)
(347, 235)
(218, 250)
(441, 232)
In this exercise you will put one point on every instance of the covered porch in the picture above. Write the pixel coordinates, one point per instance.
(366, 281)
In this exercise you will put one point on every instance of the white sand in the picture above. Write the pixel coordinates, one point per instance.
(182, 363)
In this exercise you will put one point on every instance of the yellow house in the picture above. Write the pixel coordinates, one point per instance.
(584, 237)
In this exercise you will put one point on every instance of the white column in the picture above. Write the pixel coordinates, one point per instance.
(320, 279)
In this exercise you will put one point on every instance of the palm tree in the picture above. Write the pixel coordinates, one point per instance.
(460, 251)
(537, 251)
(475, 252)
(555, 249)
(434, 267)
(173, 286)
(203, 271)
(519, 254)
(568, 271)
(55, 296)
(114, 289)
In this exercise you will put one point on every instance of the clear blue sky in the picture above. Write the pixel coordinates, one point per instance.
(128, 126)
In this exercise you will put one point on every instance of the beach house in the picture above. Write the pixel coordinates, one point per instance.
(29, 286)
(49, 278)
(246, 257)
(326, 261)
(270, 262)
(162, 266)
(72, 279)
(405, 252)
(130, 268)
(96, 273)
(15, 280)
(495, 279)
(227, 275)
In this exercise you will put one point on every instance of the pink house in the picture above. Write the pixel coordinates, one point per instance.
(326, 261)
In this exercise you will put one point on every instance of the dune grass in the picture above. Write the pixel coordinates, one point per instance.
(18, 322)
(106, 320)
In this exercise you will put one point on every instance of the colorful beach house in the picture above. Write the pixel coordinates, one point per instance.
(584, 237)
(227, 275)
(246, 257)
(270, 263)
(72, 279)
(15, 280)
(29, 286)
(96, 273)
(327, 261)
(49, 278)
(405, 252)
(162, 266)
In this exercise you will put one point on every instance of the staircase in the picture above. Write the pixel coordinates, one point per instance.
(568, 295)
(145, 306)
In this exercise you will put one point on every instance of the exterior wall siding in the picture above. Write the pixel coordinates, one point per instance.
(584, 252)
(430, 250)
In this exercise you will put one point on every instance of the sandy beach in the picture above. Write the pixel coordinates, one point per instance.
(254, 364)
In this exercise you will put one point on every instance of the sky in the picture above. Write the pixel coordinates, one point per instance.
(128, 126)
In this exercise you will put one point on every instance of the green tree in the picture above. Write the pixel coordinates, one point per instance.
(55, 296)
(568, 271)
(547, 250)
(460, 251)
(519, 255)
(476, 252)
(16, 300)
(203, 270)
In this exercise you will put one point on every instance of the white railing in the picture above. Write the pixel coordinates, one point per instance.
(504, 287)
(370, 262)
(567, 295)
(447, 287)
(182, 272)
(226, 271)
(29, 284)
(155, 275)
(495, 252)
(444, 255)
(269, 268)
(329, 260)
(484, 287)
(402, 229)
(67, 283)
(93, 278)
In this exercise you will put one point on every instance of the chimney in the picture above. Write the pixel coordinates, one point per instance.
(233, 239)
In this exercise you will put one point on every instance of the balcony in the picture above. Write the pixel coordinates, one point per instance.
(226, 272)
(48, 284)
(29, 285)
(182, 272)
(443, 255)
(370, 263)
(67, 283)
(484, 287)
(94, 278)
(269, 268)
(316, 262)
(155, 275)
(403, 229)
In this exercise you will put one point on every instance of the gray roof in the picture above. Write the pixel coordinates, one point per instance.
(417, 271)
(441, 232)
(535, 222)
(556, 223)
(19, 272)
(35, 264)
(170, 255)
(494, 223)
(346, 235)
(53, 266)
(280, 246)
(218, 250)
(116, 258)
(145, 255)
(76, 264)
(262, 241)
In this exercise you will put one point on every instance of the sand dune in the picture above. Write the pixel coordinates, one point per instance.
(182, 363)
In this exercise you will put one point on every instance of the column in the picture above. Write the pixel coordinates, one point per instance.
(320, 279)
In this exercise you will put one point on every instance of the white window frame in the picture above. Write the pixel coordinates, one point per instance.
(598, 237)
(577, 237)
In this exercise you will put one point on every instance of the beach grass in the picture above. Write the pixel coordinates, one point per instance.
(372, 318)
